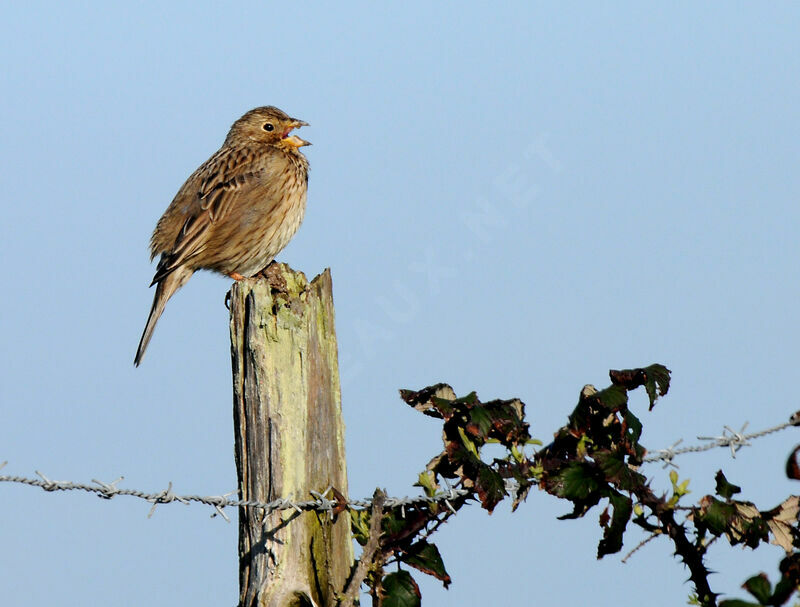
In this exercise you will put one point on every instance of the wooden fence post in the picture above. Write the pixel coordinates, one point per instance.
(289, 438)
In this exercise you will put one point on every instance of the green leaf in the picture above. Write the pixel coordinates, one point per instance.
(393, 524)
(784, 589)
(399, 589)
(427, 480)
(759, 587)
(737, 603)
(657, 383)
(634, 426)
(469, 399)
(717, 515)
(678, 491)
(724, 488)
(490, 486)
(576, 482)
(617, 471)
(507, 421)
(426, 558)
(612, 535)
(467, 442)
(613, 397)
(359, 523)
(480, 422)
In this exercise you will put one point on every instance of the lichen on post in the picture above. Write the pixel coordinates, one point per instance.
(289, 438)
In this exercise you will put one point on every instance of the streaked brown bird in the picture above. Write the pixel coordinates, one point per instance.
(236, 212)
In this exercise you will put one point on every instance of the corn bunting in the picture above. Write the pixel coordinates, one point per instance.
(236, 212)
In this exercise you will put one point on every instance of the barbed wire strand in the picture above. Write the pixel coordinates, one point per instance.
(320, 503)
(729, 438)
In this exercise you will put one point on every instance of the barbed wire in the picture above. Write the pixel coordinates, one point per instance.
(320, 503)
(729, 438)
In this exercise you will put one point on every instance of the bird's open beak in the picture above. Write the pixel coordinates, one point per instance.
(294, 140)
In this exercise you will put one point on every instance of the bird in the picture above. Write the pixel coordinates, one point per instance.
(236, 212)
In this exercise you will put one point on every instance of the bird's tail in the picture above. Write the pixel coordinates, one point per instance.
(165, 289)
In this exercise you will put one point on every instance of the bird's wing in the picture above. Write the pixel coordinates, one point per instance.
(211, 191)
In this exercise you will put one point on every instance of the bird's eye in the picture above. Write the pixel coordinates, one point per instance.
(269, 127)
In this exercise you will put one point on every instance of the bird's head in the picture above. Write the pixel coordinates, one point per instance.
(268, 125)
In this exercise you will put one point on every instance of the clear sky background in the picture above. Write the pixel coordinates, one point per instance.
(512, 200)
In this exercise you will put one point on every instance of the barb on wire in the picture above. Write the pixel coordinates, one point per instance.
(729, 438)
(319, 503)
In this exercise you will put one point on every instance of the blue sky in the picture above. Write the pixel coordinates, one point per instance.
(512, 200)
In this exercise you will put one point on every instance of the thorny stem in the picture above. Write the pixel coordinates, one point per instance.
(693, 559)
(691, 555)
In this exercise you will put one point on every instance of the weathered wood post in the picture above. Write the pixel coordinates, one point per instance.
(289, 438)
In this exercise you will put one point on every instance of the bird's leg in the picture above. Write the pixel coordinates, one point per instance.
(237, 277)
